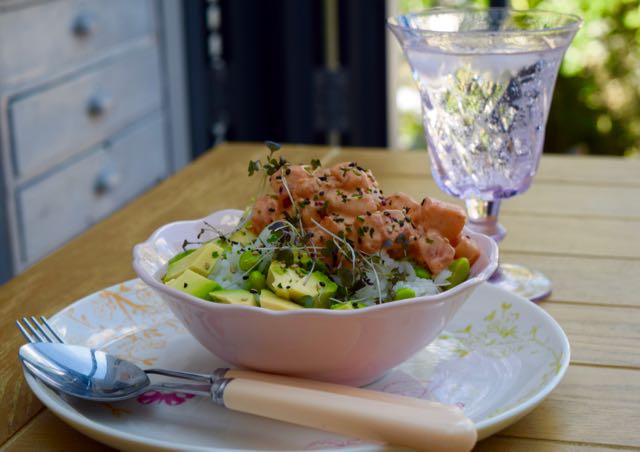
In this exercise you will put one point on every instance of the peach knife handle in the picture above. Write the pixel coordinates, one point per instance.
(430, 426)
(330, 387)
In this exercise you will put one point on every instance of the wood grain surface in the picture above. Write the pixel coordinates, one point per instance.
(579, 223)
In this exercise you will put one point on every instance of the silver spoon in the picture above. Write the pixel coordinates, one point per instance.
(95, 375)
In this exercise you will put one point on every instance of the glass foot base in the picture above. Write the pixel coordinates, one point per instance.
(520, 280)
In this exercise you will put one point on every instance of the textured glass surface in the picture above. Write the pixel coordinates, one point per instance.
(486, 79)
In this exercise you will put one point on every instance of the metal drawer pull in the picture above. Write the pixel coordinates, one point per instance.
(107, 180)
(98, 105)
(83, 25)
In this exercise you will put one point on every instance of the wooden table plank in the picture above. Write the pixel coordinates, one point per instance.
(48, 433)
(596, 170)
(595, 405)
(599, 237)
(600, 335)
(500, 443)
(585, 280)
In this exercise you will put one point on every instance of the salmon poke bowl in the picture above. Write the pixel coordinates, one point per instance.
(322, 277)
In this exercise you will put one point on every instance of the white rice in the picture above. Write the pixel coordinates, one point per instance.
(441, 278)
(420, 286)
(228, 274)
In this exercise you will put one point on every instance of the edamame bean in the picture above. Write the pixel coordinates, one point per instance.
(342, 306)
(257, 280)
(305, 260)
(248, 260)
(422, 272)
(306, 301)
(459, 269)
(404, 293)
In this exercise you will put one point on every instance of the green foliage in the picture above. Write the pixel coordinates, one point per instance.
(596, 105)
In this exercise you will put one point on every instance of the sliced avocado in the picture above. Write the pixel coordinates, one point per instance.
(326, 289)
(223, 243)
(200, 261)
(237, 296)
(288, 284)
(194, 284)
(244, 235)
(179, 256)
(269, 300)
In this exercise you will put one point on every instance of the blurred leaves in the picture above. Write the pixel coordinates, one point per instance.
(596, 107)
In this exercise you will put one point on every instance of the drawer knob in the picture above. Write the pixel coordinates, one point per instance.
(83, 25)
(98, 105)
(107, 180)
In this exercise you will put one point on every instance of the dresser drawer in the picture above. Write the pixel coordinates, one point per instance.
(39, 39)
(50, 125)
(53, 209)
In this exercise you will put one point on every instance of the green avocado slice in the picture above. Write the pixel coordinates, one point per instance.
(234, 296)
(269, 300)
(194, 284)
(201, 261)
(286, 283)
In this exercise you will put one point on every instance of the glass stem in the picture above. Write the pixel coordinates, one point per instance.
(483, 218)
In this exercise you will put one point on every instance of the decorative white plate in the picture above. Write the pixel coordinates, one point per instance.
(498, 358)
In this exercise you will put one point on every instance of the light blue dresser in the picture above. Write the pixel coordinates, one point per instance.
(85, 116)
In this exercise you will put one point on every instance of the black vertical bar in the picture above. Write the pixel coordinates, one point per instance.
(199, 78)
(248, 29)
(302, 46)
(363, 56)
(271, 50)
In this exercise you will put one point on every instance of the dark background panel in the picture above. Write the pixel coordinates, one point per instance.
(268, 80)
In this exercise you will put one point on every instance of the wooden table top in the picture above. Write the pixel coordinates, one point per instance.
(579, 223)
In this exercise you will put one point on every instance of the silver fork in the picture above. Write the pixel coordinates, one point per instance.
(42, 331)
(38, 332)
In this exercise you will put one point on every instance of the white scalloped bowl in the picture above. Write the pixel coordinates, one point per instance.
(350, 347)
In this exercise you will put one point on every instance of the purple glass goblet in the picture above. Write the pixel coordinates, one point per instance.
(486, 79)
